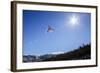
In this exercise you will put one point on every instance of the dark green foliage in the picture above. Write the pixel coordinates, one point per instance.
(83, 52)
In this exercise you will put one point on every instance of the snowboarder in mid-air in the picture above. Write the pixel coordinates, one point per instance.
(50, 29)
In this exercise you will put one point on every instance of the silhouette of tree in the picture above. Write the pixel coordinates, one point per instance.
(81, 53)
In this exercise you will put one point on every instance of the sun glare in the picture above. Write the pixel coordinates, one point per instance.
(73, 20)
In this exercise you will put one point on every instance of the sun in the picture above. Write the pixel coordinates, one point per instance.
(74, 20)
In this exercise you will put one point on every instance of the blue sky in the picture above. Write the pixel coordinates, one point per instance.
(68, 34)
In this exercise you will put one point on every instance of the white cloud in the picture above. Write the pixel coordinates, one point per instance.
(59, 52)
